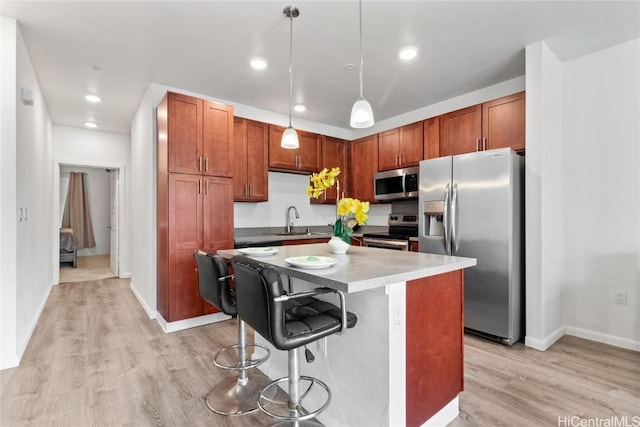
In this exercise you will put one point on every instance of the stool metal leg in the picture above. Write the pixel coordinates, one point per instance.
(239, 395)
(299, 386)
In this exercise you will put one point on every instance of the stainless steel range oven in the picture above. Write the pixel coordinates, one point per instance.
(401, 228)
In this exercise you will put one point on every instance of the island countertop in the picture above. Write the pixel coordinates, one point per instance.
(361, 268)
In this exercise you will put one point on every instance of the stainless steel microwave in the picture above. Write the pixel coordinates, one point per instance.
(396, 184)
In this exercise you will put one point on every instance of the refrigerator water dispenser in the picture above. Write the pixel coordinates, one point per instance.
(433, 218)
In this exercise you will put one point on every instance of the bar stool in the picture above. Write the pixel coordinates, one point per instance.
(288, 321)
(233, 396)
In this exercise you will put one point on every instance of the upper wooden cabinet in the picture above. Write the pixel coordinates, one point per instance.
(494, 124)
(400, 147)
(334, 154)
(199, 136)
(363, 163)
(503, 122)
(432, 138)
(460, 131)
(305, 159)
(251, 158)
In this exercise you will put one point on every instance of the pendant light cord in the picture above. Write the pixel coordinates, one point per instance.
(361, 61)
(290, 65)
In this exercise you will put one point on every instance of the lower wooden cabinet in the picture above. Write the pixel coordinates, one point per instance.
(197, 213)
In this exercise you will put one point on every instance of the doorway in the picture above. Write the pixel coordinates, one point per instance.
(104, 185)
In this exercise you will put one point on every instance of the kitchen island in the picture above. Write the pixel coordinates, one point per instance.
(402, 363)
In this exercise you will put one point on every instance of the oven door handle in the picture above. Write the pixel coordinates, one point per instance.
(388, 244)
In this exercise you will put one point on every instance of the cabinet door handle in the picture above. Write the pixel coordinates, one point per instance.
(206, 186)
(249, 190)
(206, 164)
(199, 163)
(477, 144)
(199, 187)
(484, 143)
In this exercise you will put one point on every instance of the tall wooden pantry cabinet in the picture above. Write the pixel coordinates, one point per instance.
(194, 197)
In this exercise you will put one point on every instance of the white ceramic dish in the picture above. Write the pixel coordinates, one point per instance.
(311, 261)
(261, 251)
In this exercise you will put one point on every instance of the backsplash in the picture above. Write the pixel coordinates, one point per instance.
(287, 189)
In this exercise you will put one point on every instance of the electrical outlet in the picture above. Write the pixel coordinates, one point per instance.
(620, 297)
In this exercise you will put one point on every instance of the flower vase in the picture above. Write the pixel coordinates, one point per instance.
(337, 245)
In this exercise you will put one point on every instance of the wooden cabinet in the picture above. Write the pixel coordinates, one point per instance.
(305, 241)
(503, 122)
(194, 210)
(251, 158)
(305, 159)
(432, 138)
(495, 124)
(199, 136)
(363, 161)
(460, 131)
(334, 154)
(400, 147)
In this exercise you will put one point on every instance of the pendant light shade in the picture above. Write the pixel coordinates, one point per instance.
(361, 113)
(290, 136)
(289, 139)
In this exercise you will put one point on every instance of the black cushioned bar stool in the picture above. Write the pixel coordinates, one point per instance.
(233, 396)
(288, 321)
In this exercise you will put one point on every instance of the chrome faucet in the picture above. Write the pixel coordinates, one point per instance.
(289, 222)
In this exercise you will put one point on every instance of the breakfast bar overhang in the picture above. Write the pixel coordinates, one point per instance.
(403, 362)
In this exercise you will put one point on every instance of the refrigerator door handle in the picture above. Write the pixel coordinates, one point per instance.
(454, 210)
(445, 219)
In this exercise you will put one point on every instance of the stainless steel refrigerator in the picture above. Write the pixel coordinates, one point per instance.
(471, 205)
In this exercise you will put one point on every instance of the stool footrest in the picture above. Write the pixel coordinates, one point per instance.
(278, 406)
(229, 357)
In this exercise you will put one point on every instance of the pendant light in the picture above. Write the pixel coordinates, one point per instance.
(290, 136)
(361, 113)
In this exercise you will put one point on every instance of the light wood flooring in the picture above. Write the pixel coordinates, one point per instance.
(96, 359)
(94, 267)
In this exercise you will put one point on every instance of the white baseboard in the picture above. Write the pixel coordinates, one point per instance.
(125, 275)
(544, 343)
(151, 314)
(169, 327)
(603, 338)
(20, 351)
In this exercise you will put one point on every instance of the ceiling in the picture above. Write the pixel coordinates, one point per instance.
(116, 48)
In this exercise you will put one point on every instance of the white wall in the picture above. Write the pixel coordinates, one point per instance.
(543, 197)
(26, 155)
(99, 188)
(602, 194)
(95, 149)
(143, 203)
(8, 203)
(583, 195)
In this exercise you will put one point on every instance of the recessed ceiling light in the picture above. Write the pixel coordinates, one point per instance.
(90, 125)
(258, 63)
(408, 53)
(92, 98)
(300, 108)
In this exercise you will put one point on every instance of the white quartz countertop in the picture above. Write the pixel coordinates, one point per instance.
(361, 268)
